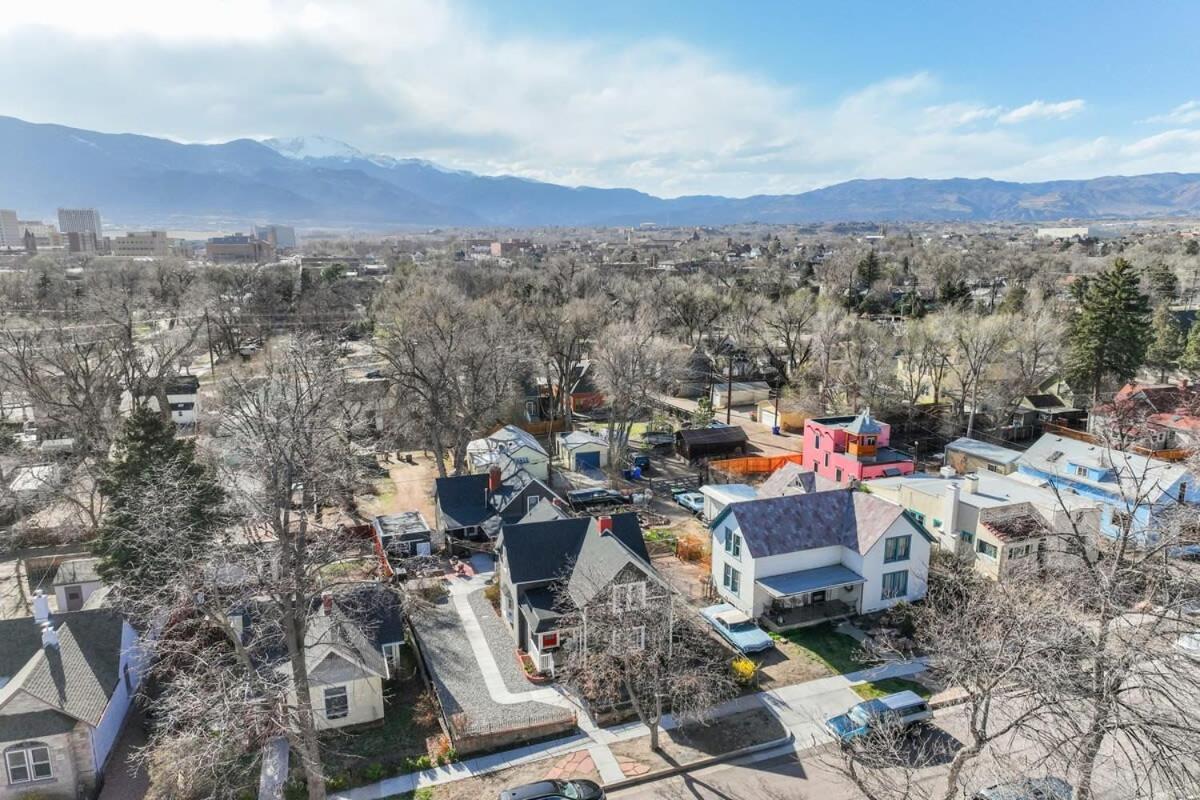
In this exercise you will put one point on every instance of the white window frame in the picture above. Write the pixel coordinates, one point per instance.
(532, 501)
(623, 595)
(731, 579)
(884, 595)
(391, 655)
(733, 543)
(345, 690)
(638, 631)
(26, 753)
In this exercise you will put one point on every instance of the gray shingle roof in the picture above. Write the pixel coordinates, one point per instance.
(78, 677)
(796, 522)
(792, 478)
(542, 551)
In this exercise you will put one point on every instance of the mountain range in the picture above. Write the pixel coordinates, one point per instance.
(321, 182)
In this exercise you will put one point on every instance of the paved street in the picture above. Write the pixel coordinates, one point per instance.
(812, 773)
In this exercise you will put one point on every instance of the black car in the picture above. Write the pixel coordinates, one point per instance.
(581, 499)
(555, 790)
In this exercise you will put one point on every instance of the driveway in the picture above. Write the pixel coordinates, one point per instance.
(120, 780)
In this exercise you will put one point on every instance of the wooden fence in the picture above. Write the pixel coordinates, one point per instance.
(1084, 436)
(749, 465)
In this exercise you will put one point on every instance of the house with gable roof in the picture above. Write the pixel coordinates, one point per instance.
(66, 685)
(586, 556)
(802, 559)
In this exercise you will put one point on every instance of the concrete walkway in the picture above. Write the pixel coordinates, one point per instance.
(802, 708)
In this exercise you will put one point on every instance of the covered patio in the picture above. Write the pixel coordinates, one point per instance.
(810, 596)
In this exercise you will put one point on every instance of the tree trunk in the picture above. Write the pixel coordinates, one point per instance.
(439, 451)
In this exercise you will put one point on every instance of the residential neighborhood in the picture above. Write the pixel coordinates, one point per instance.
(447, 400)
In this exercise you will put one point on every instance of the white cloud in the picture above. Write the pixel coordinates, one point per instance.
(428, 78)
(1040, 109)
(1182, 114)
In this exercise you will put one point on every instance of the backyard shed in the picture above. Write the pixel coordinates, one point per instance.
(582, 450)
(697, 443)
(740, 393)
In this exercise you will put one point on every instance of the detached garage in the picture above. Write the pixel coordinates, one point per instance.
(582, 451)
(701, 443)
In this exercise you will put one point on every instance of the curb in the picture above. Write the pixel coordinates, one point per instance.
(700, 764)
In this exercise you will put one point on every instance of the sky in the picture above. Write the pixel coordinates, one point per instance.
(671, 97)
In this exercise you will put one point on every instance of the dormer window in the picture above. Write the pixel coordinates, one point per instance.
(1081, 471)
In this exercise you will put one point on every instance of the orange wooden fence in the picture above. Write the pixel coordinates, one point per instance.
(1084, 436)
(751, 464)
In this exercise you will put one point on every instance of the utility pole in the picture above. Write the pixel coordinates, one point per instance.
(212, 364)
(729, 391)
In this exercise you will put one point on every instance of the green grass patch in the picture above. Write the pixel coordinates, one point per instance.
(658, 535)
(821, 643)
(886, 686)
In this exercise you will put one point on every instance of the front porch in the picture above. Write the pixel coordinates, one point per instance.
(810, 597)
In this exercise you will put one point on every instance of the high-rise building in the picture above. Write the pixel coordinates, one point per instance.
(44, 233)
(281, 237)
(79, 220)
(10, 231)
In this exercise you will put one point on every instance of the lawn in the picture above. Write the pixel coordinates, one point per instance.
(821, 643)
(886, 686)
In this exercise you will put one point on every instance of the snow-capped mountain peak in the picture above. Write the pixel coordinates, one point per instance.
(301, 147)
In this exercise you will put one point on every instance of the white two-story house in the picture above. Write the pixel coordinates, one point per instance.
(801, 559)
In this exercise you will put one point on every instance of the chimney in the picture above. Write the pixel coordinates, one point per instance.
(326, 603)
(49, 636)
(970, 484)
(41, 607)
(604, 524)
(950, 513)
(947, 471)
(494, 479)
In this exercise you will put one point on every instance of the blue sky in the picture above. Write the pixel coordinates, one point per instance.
(669, 97)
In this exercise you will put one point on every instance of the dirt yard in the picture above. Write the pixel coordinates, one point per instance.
(695, 742)
(573, 765)
(408, 488)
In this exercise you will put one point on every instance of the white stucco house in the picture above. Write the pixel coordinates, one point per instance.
(510, 446)
(801, 559)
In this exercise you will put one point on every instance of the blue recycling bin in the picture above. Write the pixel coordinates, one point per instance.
(637, 473)
(775, 429)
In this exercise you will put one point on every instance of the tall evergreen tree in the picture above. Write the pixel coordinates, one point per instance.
(1167, 345)
(150, 462)
(870, 269)
(1190, 360)
(1110, 331)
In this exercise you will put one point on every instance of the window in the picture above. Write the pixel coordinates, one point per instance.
(634, 638)
(937, 523)
(1081, 472)
(733, 544)
(337, 702)
(870, 440)
(1182, 492)
(896, 549)
(1121, 519)
(391, 654)
(895, 584)
(917, 515)
(826, 457)
(986, 549)
(28, 761)
(628, 596)
(1015, 552)
(966, 536)
(837, 475)
(549, 640)
(531, 501)
(732, 579)
(993, 468)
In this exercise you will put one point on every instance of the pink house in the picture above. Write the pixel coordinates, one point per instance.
(852, 448)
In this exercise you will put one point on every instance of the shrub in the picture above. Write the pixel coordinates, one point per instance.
(902, 617)
(745, 671)
(492, 593)
(424, 793)
(336, 783)
(374, 772)
(295, 790)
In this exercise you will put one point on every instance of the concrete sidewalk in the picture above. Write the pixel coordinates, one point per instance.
(802, 708)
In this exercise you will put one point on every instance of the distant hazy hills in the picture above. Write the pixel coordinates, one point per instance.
(318, 181)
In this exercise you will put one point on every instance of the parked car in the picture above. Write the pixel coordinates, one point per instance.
(1028, 789)
(639, 460)
(581, 499)
(555, 790)
(692, 501)
(737, 628)
(902, 708)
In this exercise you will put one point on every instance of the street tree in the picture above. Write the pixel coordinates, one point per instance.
(1167, 343)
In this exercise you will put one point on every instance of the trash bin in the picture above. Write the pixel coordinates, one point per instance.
(775, 429)
(637, 473)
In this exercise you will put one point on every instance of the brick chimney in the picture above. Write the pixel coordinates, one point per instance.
(604, 524)
(326, 603)
(494, 481)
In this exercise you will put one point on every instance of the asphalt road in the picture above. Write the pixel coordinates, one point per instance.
(814, 774)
